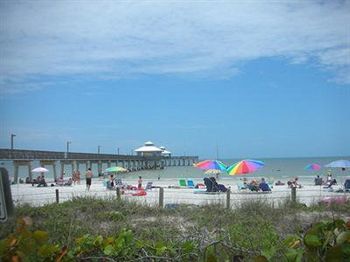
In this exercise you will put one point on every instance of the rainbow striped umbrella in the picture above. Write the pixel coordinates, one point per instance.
(211, 164)
(116, 169)
(245, 167)
(313, 167)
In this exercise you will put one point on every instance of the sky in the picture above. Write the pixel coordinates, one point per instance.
(226, 79)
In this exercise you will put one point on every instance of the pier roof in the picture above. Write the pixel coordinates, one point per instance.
(148, 147)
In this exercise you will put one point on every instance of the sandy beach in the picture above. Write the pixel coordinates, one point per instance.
(173, 194)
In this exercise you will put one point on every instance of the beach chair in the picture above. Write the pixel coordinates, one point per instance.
(119, 183)
(347, 185)
(241, 186)
(149, 186)
(190, 183)
(182, 183)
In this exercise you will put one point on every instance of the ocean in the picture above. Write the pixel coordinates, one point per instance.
(275, 169)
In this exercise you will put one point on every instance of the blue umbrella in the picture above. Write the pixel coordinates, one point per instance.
(339, 163)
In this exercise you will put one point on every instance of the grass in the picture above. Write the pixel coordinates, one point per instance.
(253, 228)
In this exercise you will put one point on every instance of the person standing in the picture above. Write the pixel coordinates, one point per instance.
(89, 176)
(139, 183)
(78, 177)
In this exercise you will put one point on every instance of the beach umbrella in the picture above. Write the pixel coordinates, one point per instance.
(116, 169)
(339, 163)
(313, 167)
(40, 170)
(211, 164)
(245, 167)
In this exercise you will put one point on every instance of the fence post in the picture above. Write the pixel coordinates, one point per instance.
(6, 203)
(161, 197)
(118, 193)
(294, 195)
(228, 199)
(57, 196)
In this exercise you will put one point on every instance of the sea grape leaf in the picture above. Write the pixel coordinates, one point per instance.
(98, 241)
(40, 236)
(160, 248)
(343, 237)
(47, 250)
(291, 241)
(292, 254)
(108, 250)
(312, 241)
(260, 259)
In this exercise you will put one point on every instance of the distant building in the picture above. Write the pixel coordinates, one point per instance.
(165, 152)
(149, 149)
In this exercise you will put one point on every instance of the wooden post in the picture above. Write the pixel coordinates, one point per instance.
(16, 172)
(294, 195)
(118, 194)
(161, 197)
(228, 199)
(54, 171)
(30, 171)
(57, 196)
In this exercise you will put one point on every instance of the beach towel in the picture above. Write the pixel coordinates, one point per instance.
(182, 182)
(204, 191)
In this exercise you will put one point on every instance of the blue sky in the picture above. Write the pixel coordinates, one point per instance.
(251, 79)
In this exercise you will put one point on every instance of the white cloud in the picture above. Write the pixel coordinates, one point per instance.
(117, 39)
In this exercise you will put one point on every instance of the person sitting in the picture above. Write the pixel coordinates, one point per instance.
(330, 183)
(215, 187)
(347, 185)
(263, 186)
(111, 183)
(42, 181)
(60, 181)
(279, 183)
(208, 183)
(36, 181)
(222, 188)
(294, 183)
(318, 181)
(253, 185)
(69, 182)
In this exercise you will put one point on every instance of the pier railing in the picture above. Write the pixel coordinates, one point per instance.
(19, 154)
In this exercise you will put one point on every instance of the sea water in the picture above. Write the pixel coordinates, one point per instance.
(275, 169)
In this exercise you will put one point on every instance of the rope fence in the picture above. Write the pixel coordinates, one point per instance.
(164, 197)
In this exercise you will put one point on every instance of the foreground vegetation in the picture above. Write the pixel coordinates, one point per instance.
(89, 229)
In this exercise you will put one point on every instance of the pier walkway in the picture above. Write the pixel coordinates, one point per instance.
(131, 162)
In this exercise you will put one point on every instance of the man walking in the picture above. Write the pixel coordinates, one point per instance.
(89, 176)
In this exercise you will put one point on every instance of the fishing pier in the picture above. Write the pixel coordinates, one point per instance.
(75, 160)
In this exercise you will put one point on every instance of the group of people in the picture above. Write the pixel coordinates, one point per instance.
(76, 177)
(330, 181)
(40, 181)
(113, 182)
(255, 185)
(294, 183)
(213, 186)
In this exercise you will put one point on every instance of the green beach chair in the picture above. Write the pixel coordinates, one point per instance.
(182, 182)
